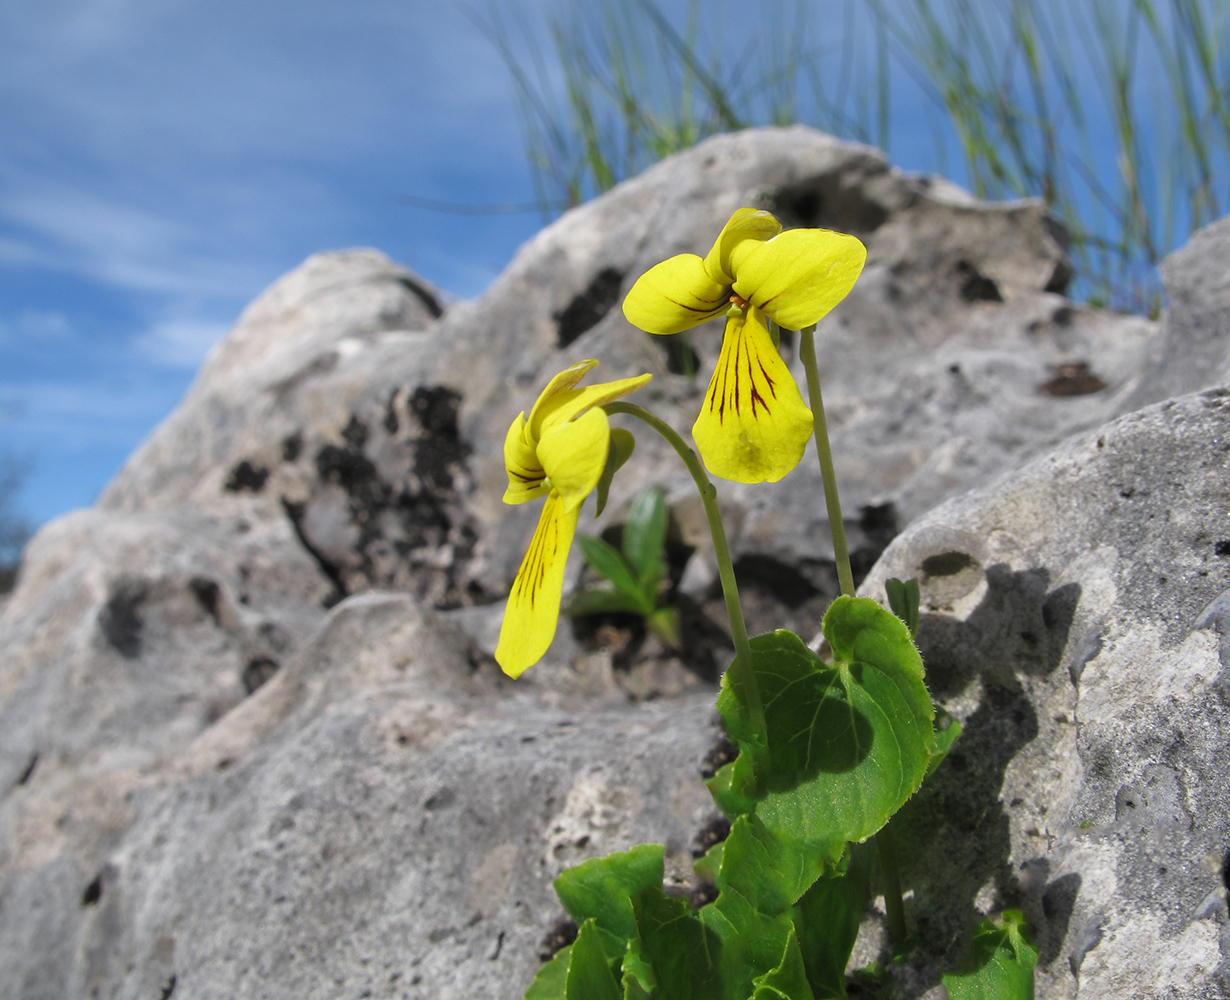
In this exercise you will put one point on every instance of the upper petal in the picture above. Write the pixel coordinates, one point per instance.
(563, 382)
(753, 426)
(674, 296)
(574, 454)
(532, 612)
(798, 276)
(746, 224)
(571, 404)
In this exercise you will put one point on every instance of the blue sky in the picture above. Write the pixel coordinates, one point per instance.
(165, 160)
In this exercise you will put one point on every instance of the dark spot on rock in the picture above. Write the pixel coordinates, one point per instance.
(947, 563)
(440, 800)
(120, 618)
(1060, 278)
(355, 433)
(975, 286)
(246, 476)
(346, 467)
(207, 594)
(1072, 378)
(720, 754)
(258, 671)
(168, 988)
(292, 447)
(430, 302)
(391, 423)
(1063, 316)
(440, 447)
(561, 935)
(1222, 548)
(588, 309)
(714, 832)
(27, 772)
(702, 894)
(955, 368)
(93, 892)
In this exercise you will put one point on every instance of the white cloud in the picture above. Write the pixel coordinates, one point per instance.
(179, 343)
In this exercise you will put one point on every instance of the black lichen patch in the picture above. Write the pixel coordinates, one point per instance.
(120, 618)
(168, 988)
(93, 892)
(292, 447)
(408, 530)
(1072, 378)
(1222, 548)
(588, 309)
(830, 201)
(257, 673)
(246, 476)
(975, 286)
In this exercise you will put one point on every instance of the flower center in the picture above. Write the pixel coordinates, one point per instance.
(738, 305)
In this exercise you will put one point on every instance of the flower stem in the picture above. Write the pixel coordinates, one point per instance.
(894, 907)
(841, 553)
(726, 570)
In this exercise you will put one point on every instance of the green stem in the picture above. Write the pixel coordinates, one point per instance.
(726, 570)
(807, 353)
(886, 844)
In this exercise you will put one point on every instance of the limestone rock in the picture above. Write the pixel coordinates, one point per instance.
(1073, 621)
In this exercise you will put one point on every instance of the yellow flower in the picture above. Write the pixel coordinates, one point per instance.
(754, 425)
(560, 452)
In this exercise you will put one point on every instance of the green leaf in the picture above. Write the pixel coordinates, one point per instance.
(552, 979)
(601, 889)
(600, 601)
(903, 599)
(683, 951)
(633, 990)
(1002, 960)
(710, 863)
(847, 743)
(589, 970)
(947, 732)
(827, 920)
(789, 980)
(610, 564)
(622, 446)
(645, 536)
(664, 623)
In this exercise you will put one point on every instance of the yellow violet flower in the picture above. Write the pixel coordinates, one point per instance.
(754, 425)
(560, 453)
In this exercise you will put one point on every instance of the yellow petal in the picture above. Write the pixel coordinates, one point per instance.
(574, 455)
(526, 477)
(797, 277)
(746, 224)
(533, 606)
(674, 296)
(571, 404)
(753, 426)
(563, 382)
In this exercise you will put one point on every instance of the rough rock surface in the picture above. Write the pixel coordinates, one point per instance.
(251, 740)
(1074, 617)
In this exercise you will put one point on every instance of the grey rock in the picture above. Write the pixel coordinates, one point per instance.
(231, 762)
(1066, 623)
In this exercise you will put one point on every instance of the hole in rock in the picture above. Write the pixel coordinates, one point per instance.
(93, 892)
(947, 563)
(206, 592)
(976, 286)
(562, 934)
(246, 476)
(258, 671)
(588, 309)
(1072, 378)
(1222, 548)
(168, 987)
